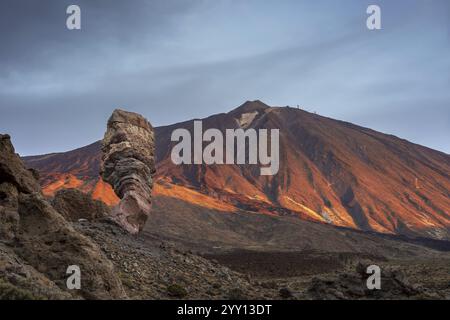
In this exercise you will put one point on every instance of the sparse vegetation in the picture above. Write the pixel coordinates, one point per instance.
(176, 291)
(10, 292)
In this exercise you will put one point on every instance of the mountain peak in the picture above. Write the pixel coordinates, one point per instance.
(250, 106)
(330, 171)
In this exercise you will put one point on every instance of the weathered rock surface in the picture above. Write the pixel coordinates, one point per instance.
(12, 169)
(394, 285)
(128, 164)
(155, 269)
(74, 205)
(37, 244)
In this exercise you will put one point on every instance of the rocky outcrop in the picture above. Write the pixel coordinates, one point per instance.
(37, 244)
(14, 180)
(74, 205)
(128, 164)
(12, 169)
(352, 285)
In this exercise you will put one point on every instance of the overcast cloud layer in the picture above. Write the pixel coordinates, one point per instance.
(177, 60)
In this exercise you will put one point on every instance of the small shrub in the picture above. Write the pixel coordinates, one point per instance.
(11, 292)
(177, 291)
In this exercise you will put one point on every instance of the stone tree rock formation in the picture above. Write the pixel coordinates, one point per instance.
(128, 165)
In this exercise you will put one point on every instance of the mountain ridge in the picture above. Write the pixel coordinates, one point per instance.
(331, 171)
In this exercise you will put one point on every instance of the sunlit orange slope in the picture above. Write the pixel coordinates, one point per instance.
(330, 171)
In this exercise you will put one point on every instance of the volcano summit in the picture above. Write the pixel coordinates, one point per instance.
(330, 172)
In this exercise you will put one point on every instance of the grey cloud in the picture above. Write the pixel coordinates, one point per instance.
(34, 33)
(175, 60)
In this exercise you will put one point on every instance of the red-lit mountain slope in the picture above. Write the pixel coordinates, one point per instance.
(330, 171)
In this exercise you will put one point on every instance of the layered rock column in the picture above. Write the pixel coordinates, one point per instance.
(128, 165)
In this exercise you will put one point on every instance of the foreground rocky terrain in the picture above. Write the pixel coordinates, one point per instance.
(37, 243)
(151, 269)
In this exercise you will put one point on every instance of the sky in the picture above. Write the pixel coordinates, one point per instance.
(175, 60)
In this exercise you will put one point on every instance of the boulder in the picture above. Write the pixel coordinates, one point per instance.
(74, 205)
(50, 244)
(13, 171)
(353, 285)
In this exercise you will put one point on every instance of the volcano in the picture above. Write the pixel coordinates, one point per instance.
(331, 172)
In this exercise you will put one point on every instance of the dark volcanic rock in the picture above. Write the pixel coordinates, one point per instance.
(13, 171)
(152, 269)
(51, 244)
(349, 286)
(37, 244)
(75, 205)
(14, 179)
(128, 164)
(285, 293)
